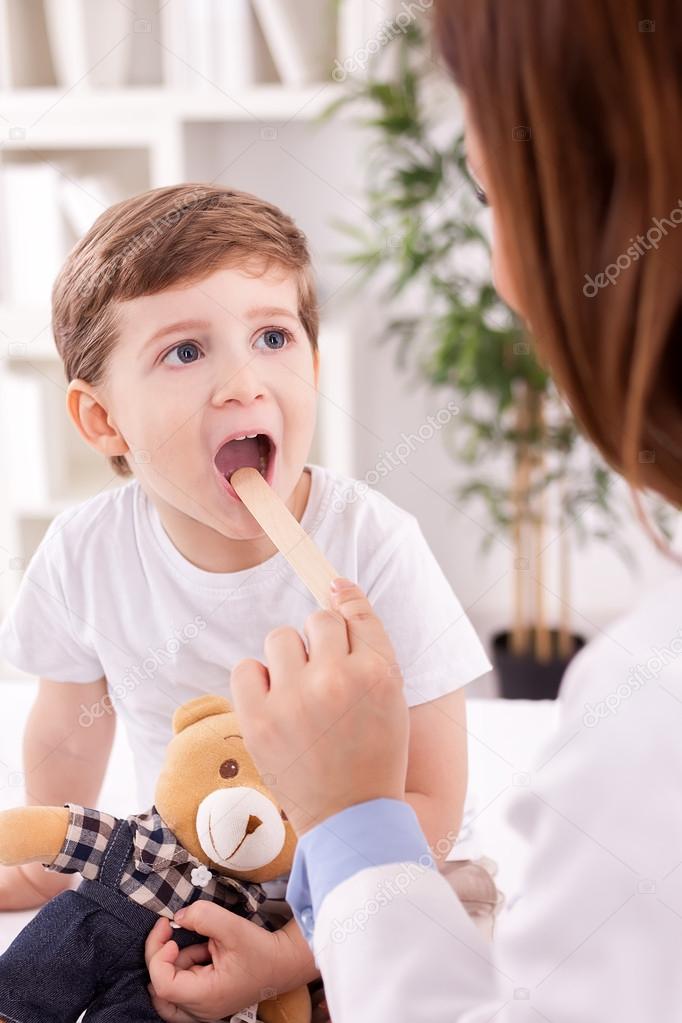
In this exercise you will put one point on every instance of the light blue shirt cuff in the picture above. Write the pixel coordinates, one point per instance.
(365, 835)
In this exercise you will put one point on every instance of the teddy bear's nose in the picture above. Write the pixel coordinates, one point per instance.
(254, 822)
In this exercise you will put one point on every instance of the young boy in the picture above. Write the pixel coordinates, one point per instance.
(187, 322)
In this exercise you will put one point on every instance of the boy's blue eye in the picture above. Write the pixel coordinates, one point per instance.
(184, 350)
(273, 340)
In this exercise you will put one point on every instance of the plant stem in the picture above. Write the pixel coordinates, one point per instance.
(565, 638)
(543, 639)
(520, 634)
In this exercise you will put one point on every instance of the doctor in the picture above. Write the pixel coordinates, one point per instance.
(574, 128)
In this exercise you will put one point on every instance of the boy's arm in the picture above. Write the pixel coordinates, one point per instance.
(66, 752)
(67, 746)
(437, 769)
(295, 964)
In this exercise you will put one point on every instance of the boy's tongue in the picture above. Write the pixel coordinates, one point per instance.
(238, 453)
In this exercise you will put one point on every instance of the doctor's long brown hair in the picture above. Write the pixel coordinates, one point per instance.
(578, 106)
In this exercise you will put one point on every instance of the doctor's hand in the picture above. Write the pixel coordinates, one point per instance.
(327, 727)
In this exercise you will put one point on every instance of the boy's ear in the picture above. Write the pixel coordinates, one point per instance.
(92, 421)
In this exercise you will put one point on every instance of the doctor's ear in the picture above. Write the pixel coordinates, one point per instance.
(92, 420)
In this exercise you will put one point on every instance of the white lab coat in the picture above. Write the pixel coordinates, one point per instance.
(596, 935)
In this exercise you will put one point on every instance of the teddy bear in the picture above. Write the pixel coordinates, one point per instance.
(214, 832)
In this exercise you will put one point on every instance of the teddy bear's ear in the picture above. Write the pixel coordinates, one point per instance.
(200, 707)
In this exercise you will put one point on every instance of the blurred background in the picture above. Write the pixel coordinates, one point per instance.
(338, 111)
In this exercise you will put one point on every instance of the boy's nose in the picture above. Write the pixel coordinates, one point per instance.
(239, 384)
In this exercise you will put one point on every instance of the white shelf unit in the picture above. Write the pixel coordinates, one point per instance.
(263, 138)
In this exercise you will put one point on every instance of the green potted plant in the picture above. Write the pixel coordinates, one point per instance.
(431, 238)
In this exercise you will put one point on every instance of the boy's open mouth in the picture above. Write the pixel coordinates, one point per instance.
(255, 450)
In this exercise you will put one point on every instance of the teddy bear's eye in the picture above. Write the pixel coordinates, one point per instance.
(229, 768)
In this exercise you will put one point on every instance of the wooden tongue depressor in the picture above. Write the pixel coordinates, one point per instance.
(288, 535)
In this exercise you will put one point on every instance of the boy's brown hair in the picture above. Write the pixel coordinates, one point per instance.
(158, 239)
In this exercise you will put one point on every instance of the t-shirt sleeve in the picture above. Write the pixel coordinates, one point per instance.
(436, 645)
(41, 633)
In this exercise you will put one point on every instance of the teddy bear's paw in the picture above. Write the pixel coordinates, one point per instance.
(289, 1007)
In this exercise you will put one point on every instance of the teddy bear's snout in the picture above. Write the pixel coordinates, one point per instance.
(254, 822)
(240, 828)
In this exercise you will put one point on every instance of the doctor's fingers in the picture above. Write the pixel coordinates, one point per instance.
(249, 685)
(366, 633)
(327, 636)
(286, 657)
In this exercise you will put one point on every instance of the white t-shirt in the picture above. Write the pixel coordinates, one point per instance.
(108, 594)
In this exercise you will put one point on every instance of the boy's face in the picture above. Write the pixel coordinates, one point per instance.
(201, 364)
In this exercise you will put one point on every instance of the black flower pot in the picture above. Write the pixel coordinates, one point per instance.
(522, 677)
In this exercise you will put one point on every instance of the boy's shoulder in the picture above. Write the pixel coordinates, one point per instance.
(353, 506)
(74, 529)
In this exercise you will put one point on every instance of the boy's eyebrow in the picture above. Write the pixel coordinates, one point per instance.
(251, 314)
(270, 310)
(173, 328)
